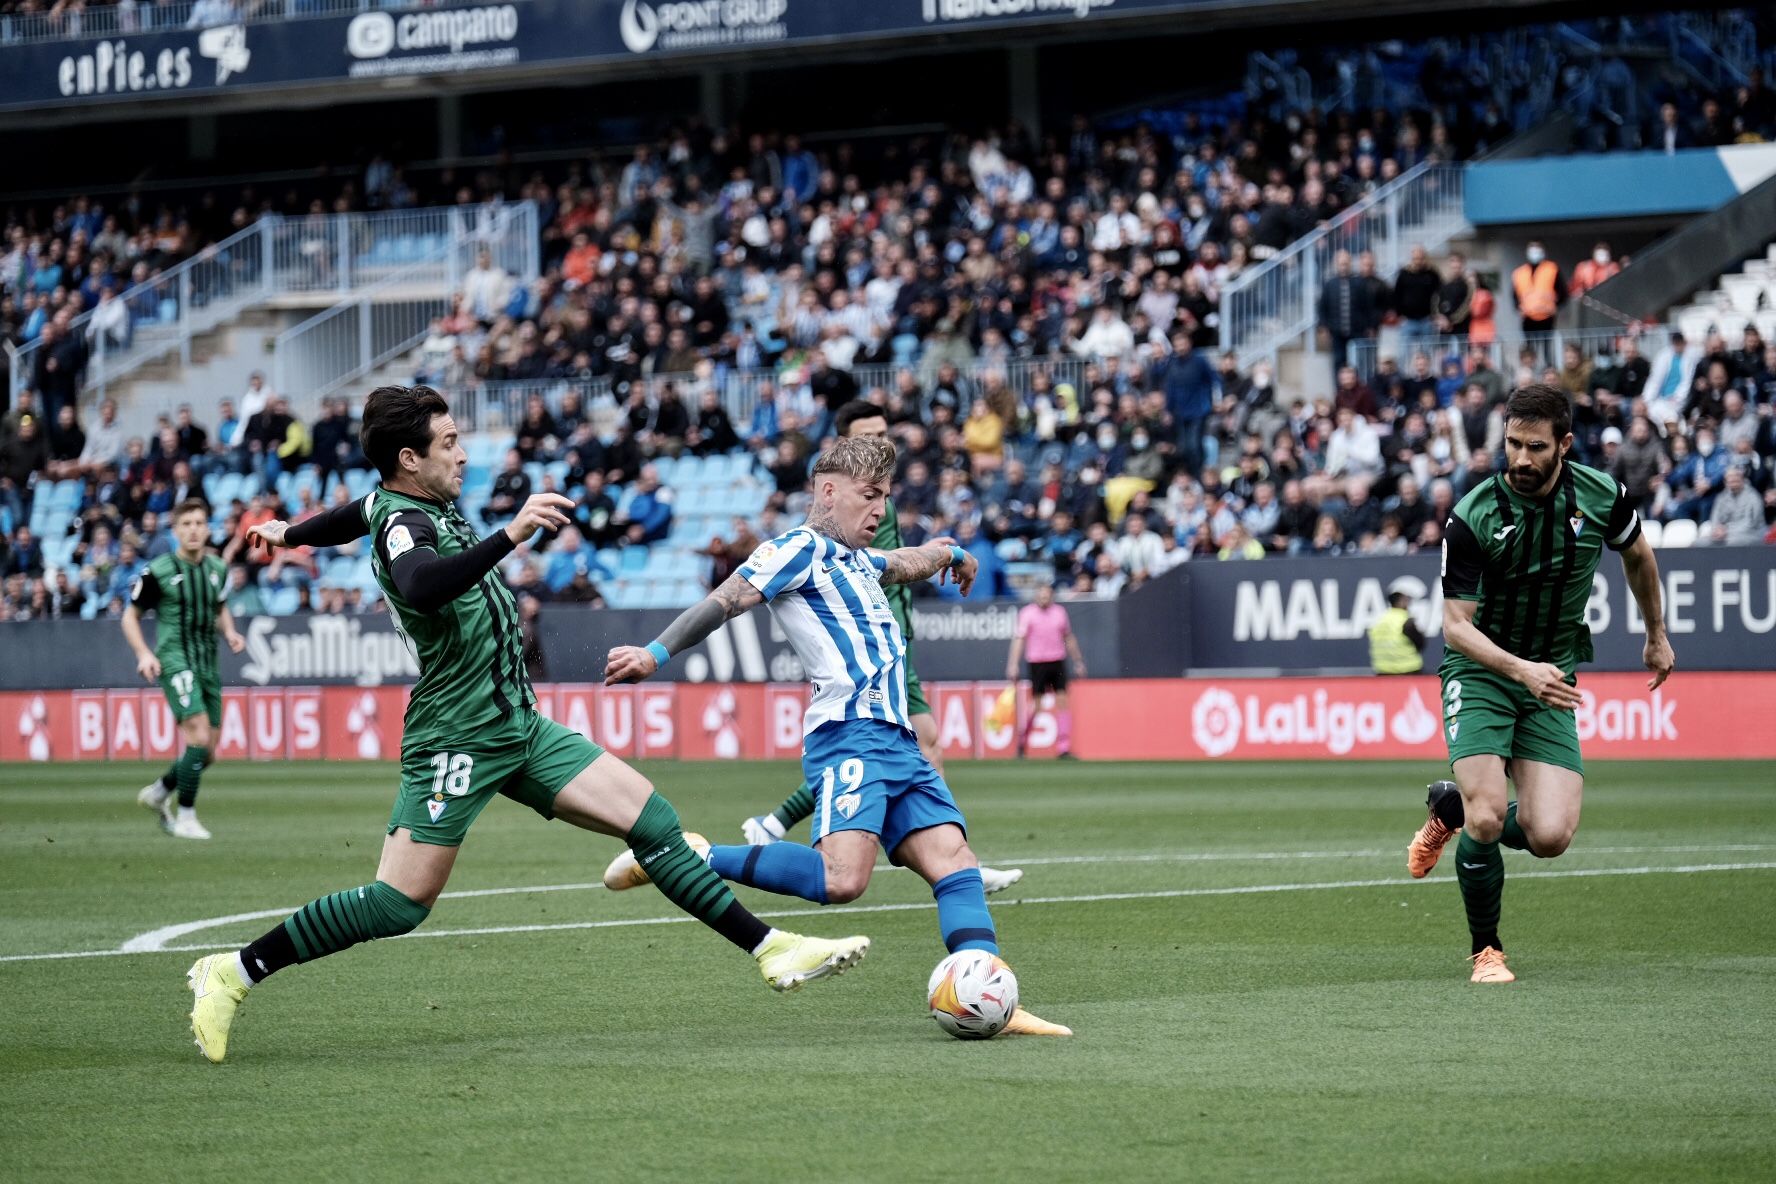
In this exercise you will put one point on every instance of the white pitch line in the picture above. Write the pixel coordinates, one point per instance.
(157, 939)
(1168, 894)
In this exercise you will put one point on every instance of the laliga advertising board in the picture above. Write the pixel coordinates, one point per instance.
(1692, 717)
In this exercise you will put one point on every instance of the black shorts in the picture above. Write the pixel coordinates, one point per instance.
(1047, 676)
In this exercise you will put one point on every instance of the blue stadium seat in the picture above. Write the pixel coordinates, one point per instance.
(634, 561)
(281, 602)
(558, 470)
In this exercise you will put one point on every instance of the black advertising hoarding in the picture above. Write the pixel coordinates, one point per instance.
(1293, 616)
(462, 38)
(1314, 614)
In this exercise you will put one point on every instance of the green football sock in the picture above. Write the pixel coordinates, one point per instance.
(1480, 870)
(683, 878)
(344, 919)
(187, 770)
(1512, 835)
(795, 807)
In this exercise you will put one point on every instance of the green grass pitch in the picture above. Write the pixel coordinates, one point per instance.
(1260, 993)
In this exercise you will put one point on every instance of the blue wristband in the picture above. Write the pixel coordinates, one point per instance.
(957, 556)
(661, 654)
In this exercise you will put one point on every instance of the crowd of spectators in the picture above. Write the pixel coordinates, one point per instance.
(1036, 318)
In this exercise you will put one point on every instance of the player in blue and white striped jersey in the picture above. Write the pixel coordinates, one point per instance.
(876, 788)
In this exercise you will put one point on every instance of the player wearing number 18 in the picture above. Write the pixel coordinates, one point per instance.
(472, 731)
(1519, 554)
(875, 788)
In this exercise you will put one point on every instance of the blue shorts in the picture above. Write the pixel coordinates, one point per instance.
(869, 775)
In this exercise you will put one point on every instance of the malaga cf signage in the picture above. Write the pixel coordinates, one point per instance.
(476, 38)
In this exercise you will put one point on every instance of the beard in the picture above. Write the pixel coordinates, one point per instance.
(1526, 479)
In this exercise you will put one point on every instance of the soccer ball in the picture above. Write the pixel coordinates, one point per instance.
(972, 994)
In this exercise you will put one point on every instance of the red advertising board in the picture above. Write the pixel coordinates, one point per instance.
(1692, 717)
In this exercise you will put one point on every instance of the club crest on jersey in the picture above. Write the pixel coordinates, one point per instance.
(1577, 522)
(436, 807)
(400, 541)
(847, 803)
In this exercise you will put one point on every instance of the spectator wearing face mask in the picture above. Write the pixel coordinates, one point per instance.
(1595, 270)
(1540, 290)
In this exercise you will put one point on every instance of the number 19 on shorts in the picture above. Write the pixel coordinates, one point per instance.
(1452, 705)
(850, 773)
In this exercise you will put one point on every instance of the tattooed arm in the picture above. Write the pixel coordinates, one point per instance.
(909, 565)
(632, 663)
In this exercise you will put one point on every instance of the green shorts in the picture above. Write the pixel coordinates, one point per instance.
(527, 757)
(188, 693)
(916, 704)
(1487, 715)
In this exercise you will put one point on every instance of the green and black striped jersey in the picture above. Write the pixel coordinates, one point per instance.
(1530, 562)
(186, 598)
(471, 656)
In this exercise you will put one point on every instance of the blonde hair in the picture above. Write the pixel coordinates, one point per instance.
(862, 458)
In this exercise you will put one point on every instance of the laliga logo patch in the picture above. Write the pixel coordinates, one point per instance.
(436, 807)
(847, 803)
(400, 541)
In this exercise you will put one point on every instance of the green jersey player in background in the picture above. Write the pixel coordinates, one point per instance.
(862, 418)
(184, 589)
(1519, 553)
(472, 730)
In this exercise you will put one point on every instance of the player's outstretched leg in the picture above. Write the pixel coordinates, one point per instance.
(603, 793)
(219, 982)
(1443, 823)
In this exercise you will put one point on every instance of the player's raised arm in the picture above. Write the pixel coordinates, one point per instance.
(909, 565)
(632, 663)
(329, 528)
(407, 546)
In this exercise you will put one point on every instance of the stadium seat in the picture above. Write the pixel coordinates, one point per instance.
(634, 561)
(1680, 532)
(1654, 531)
(1743, 292)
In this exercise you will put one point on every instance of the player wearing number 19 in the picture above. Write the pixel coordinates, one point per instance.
(876, 788)
(472, 731)
(183, 589)
(1519, 554)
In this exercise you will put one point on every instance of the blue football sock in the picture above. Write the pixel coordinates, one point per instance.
(789, 868)
(962, 914)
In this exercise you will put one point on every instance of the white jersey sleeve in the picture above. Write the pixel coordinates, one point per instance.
(783, 564)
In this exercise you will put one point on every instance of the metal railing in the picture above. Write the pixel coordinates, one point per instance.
(327, 254)
(149, 16)
(1268, 306)
(1508, 357)
(488, 406)
(164, 313)
(375, 324)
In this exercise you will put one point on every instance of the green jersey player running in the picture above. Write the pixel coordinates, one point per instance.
(1519, 554)
(862, 418)
(472, 731)
(184, 590)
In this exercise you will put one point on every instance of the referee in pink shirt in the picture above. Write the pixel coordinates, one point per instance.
(1045, 637)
